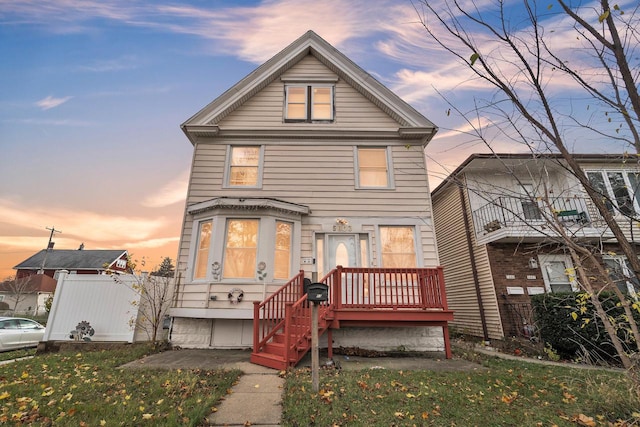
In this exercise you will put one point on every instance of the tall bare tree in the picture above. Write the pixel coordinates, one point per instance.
(17, 290)
(532, 59)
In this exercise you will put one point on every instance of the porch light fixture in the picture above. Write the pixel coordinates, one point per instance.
(533, 263)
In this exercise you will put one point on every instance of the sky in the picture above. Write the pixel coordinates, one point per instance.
(92, 95)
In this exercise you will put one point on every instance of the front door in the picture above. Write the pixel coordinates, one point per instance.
(344, 250)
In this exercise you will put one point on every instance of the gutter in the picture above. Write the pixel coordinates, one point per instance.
(472, 258)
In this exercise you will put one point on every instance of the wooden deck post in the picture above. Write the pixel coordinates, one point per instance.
(256, 325)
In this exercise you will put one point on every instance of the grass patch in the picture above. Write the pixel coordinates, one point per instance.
(89, 389)
(17, 354)
(507, 393)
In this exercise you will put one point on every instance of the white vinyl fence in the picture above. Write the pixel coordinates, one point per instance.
(110, 307)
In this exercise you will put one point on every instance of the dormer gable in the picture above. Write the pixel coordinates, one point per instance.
(309, 98)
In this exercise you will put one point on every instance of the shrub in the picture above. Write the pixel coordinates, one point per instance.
(568, 323)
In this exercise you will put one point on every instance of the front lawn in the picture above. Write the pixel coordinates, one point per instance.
(507, 394)
(88, 389)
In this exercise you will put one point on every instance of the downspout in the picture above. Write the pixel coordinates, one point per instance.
(472, 258)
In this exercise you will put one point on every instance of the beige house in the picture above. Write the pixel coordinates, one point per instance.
(306, 164)
(498, 245)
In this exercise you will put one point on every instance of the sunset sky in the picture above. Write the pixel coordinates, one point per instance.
(92, 95)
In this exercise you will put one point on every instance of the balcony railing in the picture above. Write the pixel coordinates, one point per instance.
(516, 212)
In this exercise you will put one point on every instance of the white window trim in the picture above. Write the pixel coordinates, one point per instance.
(391, 184)
(309, 102)
(417, 248)
(567, 259)
(610, 194)
(621, 260)
(227, 167)
(193, 250)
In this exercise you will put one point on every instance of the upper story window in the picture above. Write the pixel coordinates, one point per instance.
(308, 103)
(373, 168)
(244, 166)
(621, 188)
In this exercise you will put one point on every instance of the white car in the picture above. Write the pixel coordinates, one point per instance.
(16, 333)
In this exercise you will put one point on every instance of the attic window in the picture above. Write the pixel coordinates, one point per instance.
(309, 103)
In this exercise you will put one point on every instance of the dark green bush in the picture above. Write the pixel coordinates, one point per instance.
(581, 335)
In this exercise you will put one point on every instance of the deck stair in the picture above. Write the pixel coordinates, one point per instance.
(357, 297)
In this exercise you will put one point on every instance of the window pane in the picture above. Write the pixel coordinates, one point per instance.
(321, 112)
(322, 109)
(621, 193)
(634, 181)
(282, 268)
(245, 156)
(529, 204)
(297, 102)
(244, 166)
(243, 176)
(597, 182)
(397, 247)
(241, 247)
(297, 94)
(322, 95)
(202, 254)
(296, 111)
(616, 273)
(372, 163)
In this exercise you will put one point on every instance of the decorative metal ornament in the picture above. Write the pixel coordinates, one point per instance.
(215, 270)
(235, 295)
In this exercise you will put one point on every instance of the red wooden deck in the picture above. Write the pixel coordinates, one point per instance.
(372, 297)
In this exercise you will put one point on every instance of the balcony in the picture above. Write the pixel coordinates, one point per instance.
(524, 219)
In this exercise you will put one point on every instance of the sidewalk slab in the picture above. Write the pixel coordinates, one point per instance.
(255, 400)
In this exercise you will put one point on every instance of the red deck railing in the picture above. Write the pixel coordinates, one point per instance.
(270, 314)
(387, 288)
(287, 312)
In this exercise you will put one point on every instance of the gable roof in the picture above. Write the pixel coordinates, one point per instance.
(413, 124)
(63, 259)
(36, 283)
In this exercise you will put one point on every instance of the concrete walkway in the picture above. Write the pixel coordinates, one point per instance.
(256, 398)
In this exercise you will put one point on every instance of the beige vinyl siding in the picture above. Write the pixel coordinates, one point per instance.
(265, 109)
(454, 257)
(321, 177)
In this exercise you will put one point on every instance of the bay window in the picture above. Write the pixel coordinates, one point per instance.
(245, 247)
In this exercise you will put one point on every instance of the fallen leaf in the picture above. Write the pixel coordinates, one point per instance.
(586, 421)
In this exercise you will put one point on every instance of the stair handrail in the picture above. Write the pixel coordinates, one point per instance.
(269, 315)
